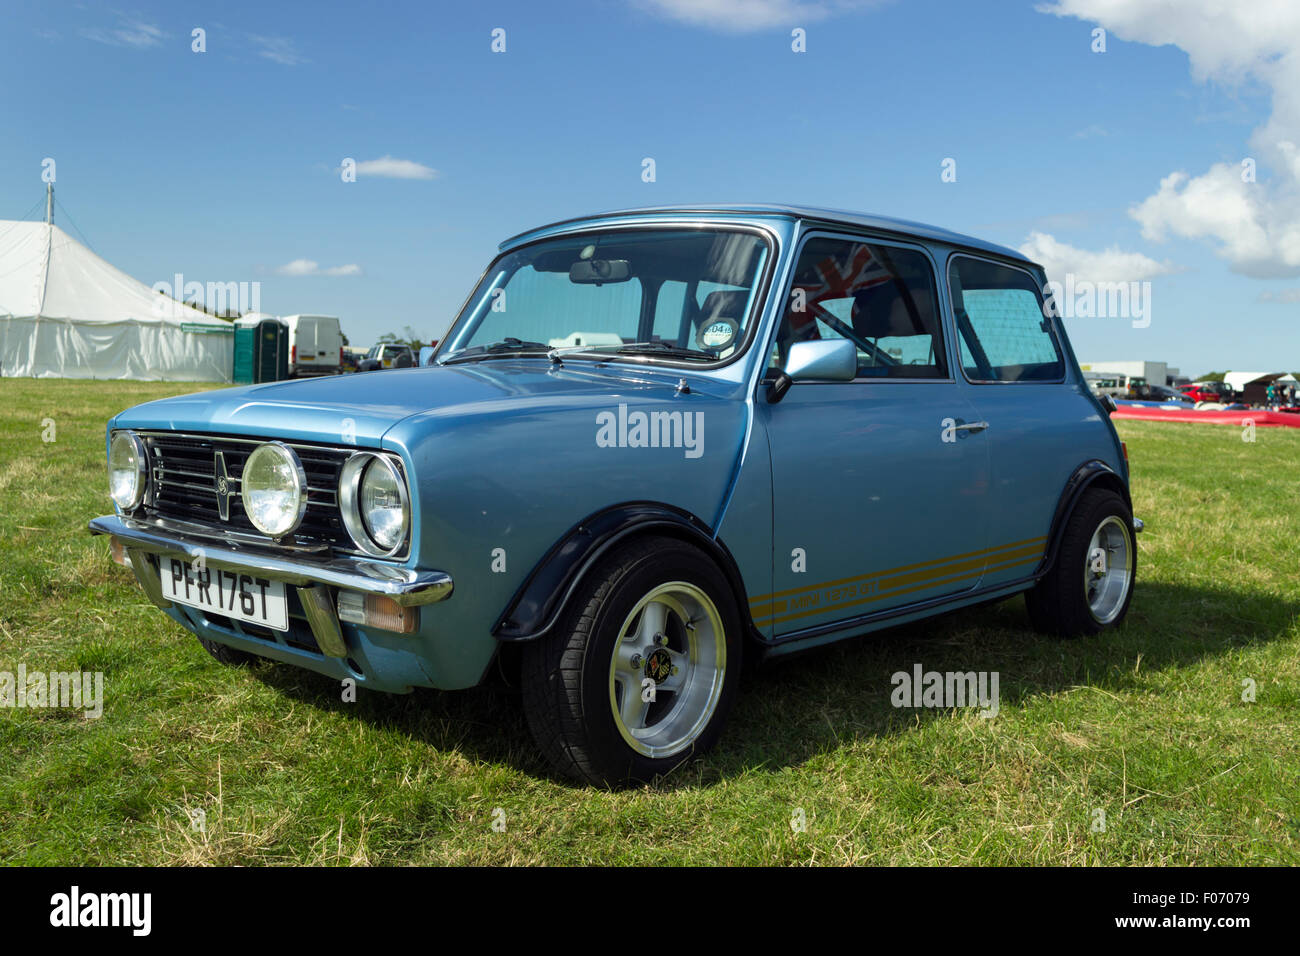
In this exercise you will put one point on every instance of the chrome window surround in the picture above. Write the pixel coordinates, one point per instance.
(812, 231)
(1042, 299)
(758, 301)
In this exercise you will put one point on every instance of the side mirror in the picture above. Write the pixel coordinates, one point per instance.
(833, 360)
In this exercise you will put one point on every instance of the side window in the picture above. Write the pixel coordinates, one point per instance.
(1002, 327)
(881, 298)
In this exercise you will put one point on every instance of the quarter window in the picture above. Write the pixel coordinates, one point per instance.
(1002, 327)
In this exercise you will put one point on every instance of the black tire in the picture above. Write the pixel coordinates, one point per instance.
(1059, 603)
(227, 655)
(568, 674)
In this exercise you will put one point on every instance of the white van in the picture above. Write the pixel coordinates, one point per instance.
(315, 345)
(1107, 383)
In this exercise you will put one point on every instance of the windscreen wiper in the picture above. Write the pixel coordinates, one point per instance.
(507, 346)
(632, 348)
(665, 348)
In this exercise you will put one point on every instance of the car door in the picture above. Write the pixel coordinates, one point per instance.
(879, 485)
(1042, 423)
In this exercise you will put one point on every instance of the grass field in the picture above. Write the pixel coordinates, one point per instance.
(1146, 723)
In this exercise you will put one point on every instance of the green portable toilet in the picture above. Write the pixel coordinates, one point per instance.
(261, 349)
(242, 367)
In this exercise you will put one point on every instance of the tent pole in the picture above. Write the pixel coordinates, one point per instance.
(49, 204)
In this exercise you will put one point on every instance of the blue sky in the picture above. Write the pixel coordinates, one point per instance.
(223, 165)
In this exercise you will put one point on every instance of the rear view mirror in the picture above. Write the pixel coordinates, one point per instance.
(599, 271)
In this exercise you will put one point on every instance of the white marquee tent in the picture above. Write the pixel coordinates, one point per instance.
(66, 313)
(1239, 380)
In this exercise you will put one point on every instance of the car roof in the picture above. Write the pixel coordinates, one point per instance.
(887, 224)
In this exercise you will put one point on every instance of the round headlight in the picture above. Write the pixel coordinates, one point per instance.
(274, 489)
(374, 503)
(127, 466)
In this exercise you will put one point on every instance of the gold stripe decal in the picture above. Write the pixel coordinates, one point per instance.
(844, 593)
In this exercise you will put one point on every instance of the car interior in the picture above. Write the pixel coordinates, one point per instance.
(881, 299)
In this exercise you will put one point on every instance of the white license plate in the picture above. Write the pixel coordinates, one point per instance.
(245, 597)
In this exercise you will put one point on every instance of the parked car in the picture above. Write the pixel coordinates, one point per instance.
(1102, 383)
(1210, 392)
(315, 345)
(779, 427)
(1119, 385)
(352, 357)
(1138, 389)
(426, 353)
(1163, 393)
(387, 355)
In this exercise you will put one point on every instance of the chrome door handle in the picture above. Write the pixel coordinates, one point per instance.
(971, 427)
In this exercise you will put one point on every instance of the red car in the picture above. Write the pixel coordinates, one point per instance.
(1209, 392)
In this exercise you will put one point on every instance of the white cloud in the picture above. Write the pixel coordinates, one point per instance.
(1255, 225)
(1091, 132)
(128, 32)
(1281, 296)
(390, 168)
(745, 16)
(1257, 238)
(1109, 265)
(280, 50)
(309, 267)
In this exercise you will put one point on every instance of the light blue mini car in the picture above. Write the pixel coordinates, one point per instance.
(653, 442)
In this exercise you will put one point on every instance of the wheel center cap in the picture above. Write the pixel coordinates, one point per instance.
(659, 665)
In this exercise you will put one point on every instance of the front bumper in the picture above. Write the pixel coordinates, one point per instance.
(312, 575)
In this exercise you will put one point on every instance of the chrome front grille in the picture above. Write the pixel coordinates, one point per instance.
(183, 485)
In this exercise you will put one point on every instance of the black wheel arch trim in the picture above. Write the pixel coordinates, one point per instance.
(1088, 475)
(541, 599)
